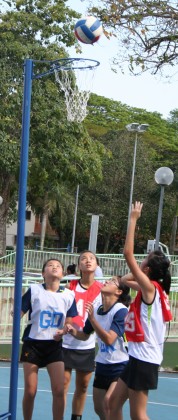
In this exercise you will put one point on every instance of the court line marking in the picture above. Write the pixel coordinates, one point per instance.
(90, 395)
(167, 405)
(167, 377)
(44, 370)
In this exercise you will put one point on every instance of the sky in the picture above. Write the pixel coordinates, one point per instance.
(148, 92)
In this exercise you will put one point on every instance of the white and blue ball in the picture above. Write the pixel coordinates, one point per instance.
(88, 29)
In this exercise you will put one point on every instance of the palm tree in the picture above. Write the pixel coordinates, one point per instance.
(56, 206)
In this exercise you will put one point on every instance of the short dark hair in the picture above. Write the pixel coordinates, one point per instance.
(71, 268)
(51, 259)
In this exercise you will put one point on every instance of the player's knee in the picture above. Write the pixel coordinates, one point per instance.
(66, 384)
(138, 415)
(58, 392)
(98, 408)
(112, 405)
(67, 378)
(30, 393)
(82, 388)
(110, 402)
(106, 403)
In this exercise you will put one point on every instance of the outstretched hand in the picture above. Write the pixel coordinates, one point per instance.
(136, 210)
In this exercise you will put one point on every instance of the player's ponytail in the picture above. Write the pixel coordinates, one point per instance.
(159, 269)
(166, 283)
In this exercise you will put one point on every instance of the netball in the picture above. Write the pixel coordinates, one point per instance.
(88, 29)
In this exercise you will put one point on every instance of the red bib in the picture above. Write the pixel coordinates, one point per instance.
(133, 328)
(82, 298)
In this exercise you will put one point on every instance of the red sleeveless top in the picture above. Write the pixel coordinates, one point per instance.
(133, 328)
(89, 295)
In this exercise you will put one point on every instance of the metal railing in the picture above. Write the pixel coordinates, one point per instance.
(7, 301)
(33, 261)
(111, 264)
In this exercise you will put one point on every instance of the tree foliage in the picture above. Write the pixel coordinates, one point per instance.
(63, 154)
(146, 31)
(106, 122)
(105, 115)
(158, 147)
(110, 197)
(59, 150)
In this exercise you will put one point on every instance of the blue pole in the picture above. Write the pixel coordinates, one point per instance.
(28, 71)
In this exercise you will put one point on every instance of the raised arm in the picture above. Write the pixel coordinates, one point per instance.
(140, 275)
(130, 281)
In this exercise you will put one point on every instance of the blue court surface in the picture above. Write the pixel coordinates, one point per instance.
(163, 403)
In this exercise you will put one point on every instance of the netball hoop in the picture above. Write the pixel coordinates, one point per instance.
(75, 77)
(68, 72)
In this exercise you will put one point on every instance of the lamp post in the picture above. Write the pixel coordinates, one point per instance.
(163, 176)
(134, 128)
(75, 219)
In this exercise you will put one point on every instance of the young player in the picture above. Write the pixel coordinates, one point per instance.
(80, 355)
(107, 320)
(145, 327)
(49, 306)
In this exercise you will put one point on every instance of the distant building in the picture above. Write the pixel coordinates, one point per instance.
(32, 231)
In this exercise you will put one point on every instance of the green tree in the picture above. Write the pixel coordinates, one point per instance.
(105, 115)
(58, 150)
(106, 122)
(173, 120)
(110, 197)
(62, 218)
(146, 30)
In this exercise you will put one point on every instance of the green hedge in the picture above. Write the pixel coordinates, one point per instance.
(170, 354)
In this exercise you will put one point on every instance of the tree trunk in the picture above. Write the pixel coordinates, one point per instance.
(3, 221)
(106, 245)
(173, 236)
(43, 229)
(4, 207)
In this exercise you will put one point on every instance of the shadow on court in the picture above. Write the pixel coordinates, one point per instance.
(163, 403)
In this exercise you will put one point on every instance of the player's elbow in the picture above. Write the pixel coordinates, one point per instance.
(126, 251)
(109, 341)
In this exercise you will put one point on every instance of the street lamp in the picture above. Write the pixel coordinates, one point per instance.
(163, 176)
(75, 219)
(134, 128)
